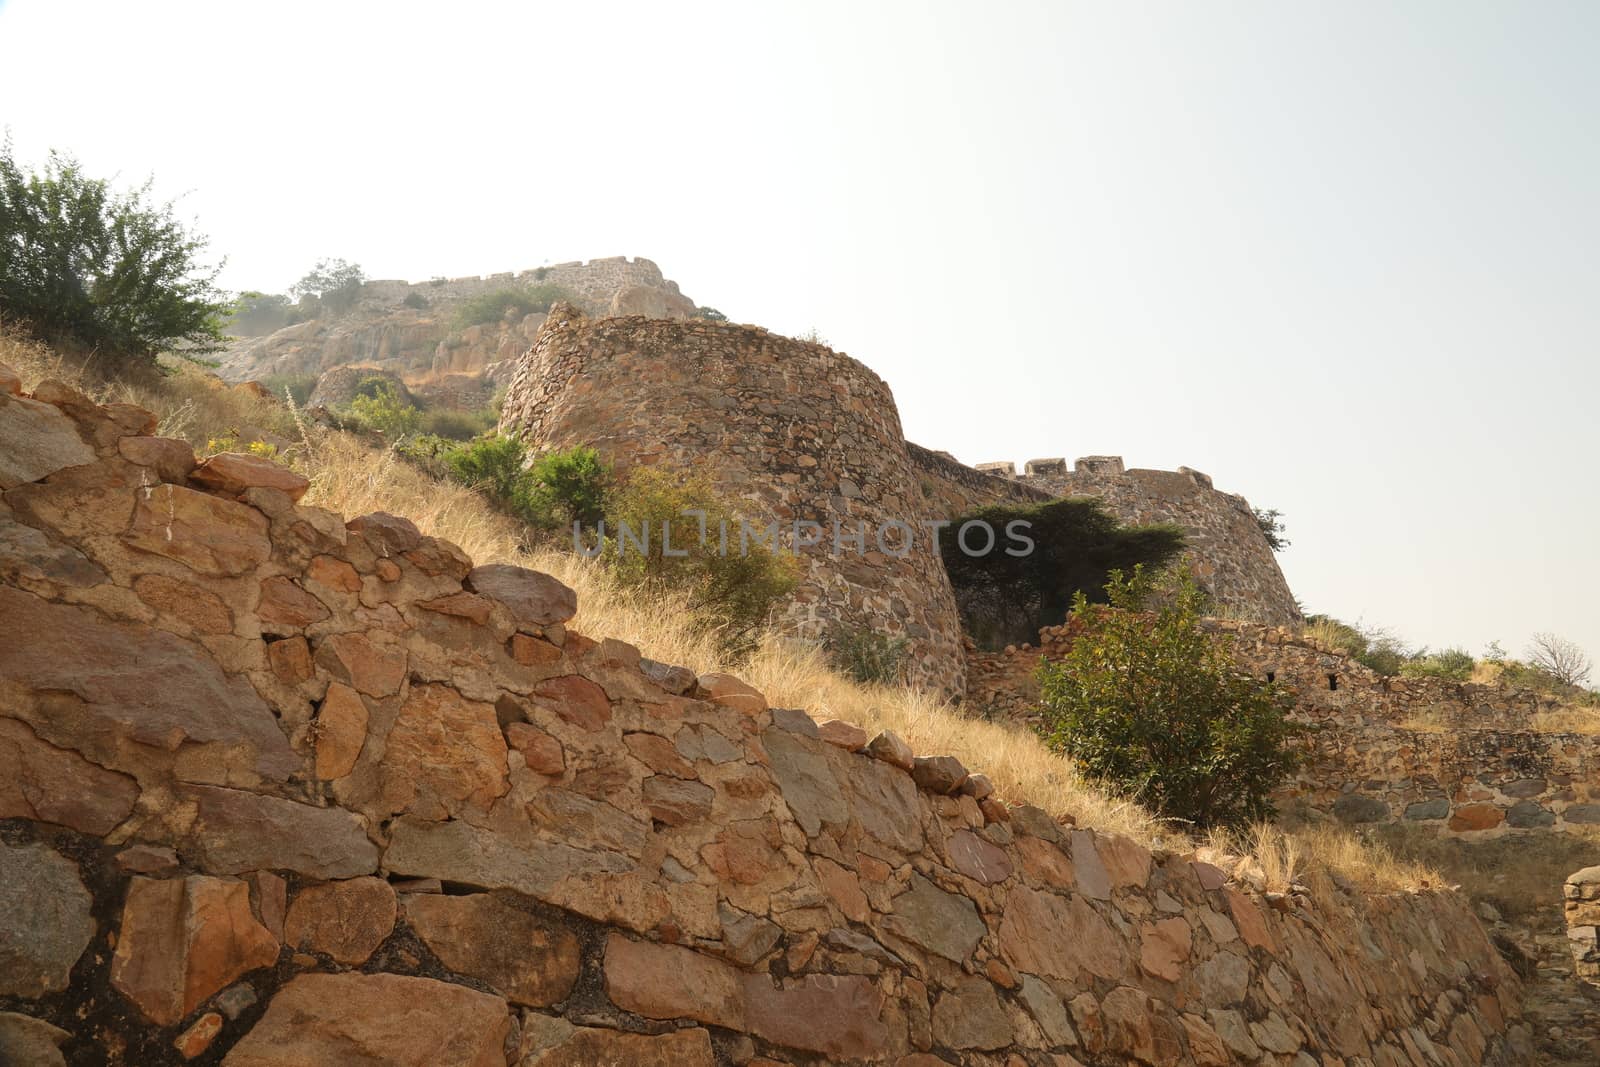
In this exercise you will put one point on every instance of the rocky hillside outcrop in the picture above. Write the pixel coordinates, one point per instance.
(279, 789)
(410, 328)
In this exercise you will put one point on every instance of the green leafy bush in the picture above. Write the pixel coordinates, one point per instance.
(549, 493)
(570, 485)
(415, 301)
(1154, 706)
(493, 306)
(868, 656)
(1005, 599)
(104, 269)
(710, 314)
(379, 406)
(737, 588)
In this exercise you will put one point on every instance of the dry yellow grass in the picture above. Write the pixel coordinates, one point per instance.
(351, 477)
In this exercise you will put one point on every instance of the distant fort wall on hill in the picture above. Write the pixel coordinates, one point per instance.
(1228, 551)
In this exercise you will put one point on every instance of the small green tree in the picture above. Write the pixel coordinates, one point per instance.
(1151, 704)
(333, 284)
(1271, 522)
(109, 270)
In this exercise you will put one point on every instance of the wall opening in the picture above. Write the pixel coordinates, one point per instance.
(1333, 682)
(1272, 676)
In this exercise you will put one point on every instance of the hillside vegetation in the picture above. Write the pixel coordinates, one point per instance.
(351, 475)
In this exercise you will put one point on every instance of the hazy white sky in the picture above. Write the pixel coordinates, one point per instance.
(1341, 256)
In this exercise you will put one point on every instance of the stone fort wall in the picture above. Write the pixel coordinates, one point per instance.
(1454, 758)
(790, 430)
(595, 282)
(1227, 550)
(323, 792)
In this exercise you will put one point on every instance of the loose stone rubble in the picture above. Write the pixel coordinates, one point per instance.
(281, 789)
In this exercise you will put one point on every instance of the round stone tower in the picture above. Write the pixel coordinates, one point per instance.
(793, 432)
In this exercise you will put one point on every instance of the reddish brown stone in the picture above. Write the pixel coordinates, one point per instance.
(1209, 876)
(730, 692)
(387, 570)
(341, 731)
(1249, 920)
(938, 774)
(743, 854)
(1164, 947)
(676, 802)
(195, 1040)
(375, 670)
(334, 573)
(147, 859)
(541, 752)
(461, 605)
(891, 749)
(285, 605)
(207, 534)
(443, 753)
(147, 688)
(535, 599)
(978, 859)
(170, 458)
(839, 1016)
(1126, 861)
(659, 754)
(846, 735)
(1045, 864)
(527, 959)
(576, 700)
(594, 1047)
(533, 651)
(182, 940)
(668, 982)
(290, 660)
(184, 600)
(1471, 817)
(1045, 934)
(844, 887)
(49, 784)
(234, 472)
(10, 381)
(318, 1020)
(345, 920)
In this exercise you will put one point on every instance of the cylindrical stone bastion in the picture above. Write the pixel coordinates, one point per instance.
(789, 431)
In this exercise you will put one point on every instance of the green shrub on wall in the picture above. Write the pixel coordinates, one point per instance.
(1155, 707)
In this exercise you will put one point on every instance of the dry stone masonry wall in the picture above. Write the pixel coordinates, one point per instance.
(1453, 757)
(281, 789)
(792, 431)
(1227, 550)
